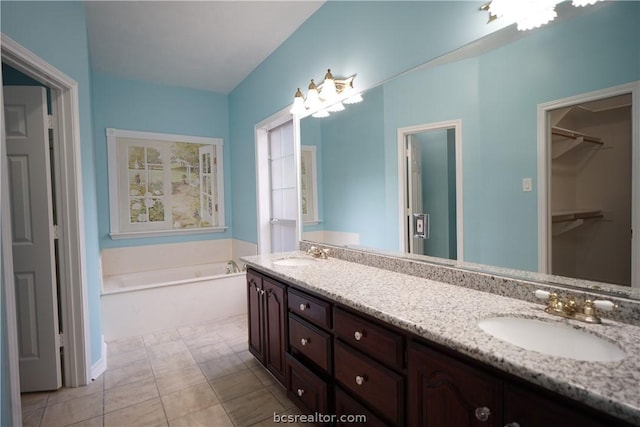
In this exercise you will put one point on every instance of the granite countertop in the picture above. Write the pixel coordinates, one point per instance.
(447, 314)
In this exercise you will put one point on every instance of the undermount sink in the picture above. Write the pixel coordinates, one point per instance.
(293, 262)
(552, 338)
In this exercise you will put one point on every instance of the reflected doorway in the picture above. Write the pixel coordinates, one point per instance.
(589, 168)
(431, 177)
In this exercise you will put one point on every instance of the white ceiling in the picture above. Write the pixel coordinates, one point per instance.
(210, 45)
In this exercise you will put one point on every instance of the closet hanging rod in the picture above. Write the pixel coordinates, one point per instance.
(567, 217)
(575, 135)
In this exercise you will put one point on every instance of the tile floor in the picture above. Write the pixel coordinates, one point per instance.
(199, 375)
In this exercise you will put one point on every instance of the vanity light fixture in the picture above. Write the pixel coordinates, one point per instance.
(527, 14)
(325, 98)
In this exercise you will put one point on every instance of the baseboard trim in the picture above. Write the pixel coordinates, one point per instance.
(100, 366)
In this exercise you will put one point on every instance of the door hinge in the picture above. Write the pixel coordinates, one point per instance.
(50, 121)
(60, 340)
(56, 232)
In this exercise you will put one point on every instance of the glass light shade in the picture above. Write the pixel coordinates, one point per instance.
(353, 99)
(528, 14)
(313, 97)
(328, 91)
(536, 19)
(321, 114)
(581, 3)
(298, 104)
(338, 106)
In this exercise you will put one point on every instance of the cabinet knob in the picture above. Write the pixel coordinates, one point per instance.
(358, 335)
(261, 291)
(482, 414)
(360, 379)
(300, 392)
(304, 341)
(513, 424)
(303, 307)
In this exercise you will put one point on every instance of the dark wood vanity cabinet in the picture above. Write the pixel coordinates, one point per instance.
(445, 391)
(267, 309)
(335, 360)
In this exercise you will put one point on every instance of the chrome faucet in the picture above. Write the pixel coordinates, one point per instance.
(232, 267)
(318, 253)
(570, 309)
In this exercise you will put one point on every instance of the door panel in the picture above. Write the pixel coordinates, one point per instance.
(32, 229)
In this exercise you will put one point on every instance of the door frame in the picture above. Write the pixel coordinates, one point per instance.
(544, 170)
(68, 183)
(263, 180)
(402, 182)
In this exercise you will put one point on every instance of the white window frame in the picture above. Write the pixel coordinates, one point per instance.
(118, 203)
(311, 184)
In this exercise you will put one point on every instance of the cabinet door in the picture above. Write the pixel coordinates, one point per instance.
(275, 327)
(529, 409)
(446, 392)
(254, 298)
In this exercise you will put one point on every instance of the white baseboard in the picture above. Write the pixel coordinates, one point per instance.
(100, 366)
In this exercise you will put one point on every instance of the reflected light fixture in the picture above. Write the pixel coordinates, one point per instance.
(527, 14)
(325, 98)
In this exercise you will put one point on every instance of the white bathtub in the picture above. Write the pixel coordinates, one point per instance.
(145, 302)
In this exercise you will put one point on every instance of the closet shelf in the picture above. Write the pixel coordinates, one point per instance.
(564, 221)
(570, 139)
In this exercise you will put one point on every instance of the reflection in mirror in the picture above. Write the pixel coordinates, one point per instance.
(495, 92)
(430, 197)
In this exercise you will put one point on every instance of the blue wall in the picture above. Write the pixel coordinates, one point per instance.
(149, 107)
(375, 40)
(56, 32)
(496, 96)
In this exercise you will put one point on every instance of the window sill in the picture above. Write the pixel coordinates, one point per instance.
(164, 233)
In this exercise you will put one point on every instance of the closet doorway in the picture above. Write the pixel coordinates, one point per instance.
(592, 144)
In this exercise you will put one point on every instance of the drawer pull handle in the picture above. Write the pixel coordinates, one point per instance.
(358, 335)
(305, 341)
(360, 379)
(300, 392)
(482, 414)
(303, 307)
(513, 424)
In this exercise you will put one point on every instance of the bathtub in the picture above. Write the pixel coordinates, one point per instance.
(145, 302)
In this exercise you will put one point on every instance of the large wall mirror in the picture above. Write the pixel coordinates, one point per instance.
(494, 88)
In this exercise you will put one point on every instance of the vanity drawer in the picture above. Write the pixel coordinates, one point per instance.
(311, 308)
(380, 343)
(377, 386)
(310, 341)
(305, 388)
(347, 406)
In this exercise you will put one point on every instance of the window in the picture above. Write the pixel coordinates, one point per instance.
(309, 184)
(162, 184)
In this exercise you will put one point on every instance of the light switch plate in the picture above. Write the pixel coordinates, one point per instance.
(527, 184)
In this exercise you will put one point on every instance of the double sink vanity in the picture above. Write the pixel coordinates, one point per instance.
(409, 343)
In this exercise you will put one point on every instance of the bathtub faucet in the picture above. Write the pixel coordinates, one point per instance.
(232, 267)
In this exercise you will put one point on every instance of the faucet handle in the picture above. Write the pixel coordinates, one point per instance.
(540, 294)
(604, 305)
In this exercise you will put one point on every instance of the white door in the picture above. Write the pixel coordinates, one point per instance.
(207, 186)
(32, 237)
(414, 196)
